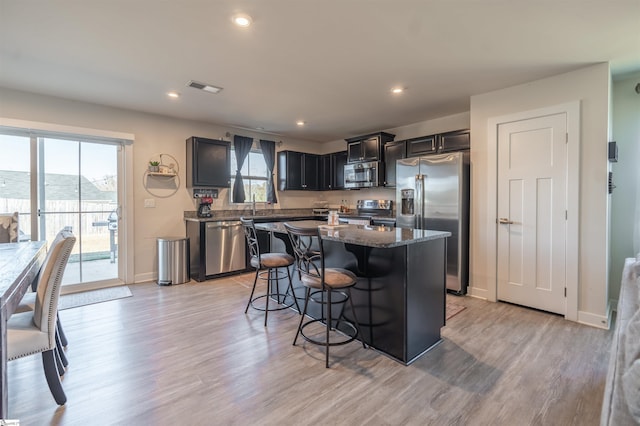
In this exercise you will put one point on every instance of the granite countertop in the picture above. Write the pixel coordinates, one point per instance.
(362, 235)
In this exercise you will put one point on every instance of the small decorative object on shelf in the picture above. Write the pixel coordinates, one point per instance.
(154, 166)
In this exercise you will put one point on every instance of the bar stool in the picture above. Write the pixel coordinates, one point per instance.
(268, 268)
(321, 281)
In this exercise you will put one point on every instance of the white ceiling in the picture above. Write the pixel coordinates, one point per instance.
(330, 62)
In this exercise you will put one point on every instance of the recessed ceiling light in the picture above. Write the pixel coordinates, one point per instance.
(173, 95)
(300, 123)
(259, 128)
(397, 90)
(242, 20)
(203, 86)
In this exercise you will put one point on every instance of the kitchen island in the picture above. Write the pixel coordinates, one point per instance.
(400, 294)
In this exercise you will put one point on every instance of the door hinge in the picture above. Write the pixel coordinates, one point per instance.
(565, 292)
(566, 215)
(566, 138)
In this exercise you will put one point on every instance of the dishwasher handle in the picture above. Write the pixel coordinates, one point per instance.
(222, 225)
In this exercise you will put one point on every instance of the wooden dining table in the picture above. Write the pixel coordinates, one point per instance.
(19, 266)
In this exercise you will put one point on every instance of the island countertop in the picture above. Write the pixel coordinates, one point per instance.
(363, 235)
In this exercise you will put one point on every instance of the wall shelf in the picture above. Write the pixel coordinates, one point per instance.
(165, 182)
(161, 174)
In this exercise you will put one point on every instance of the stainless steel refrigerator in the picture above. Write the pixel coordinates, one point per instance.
(432, 192)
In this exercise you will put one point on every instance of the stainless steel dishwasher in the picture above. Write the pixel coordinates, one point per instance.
(226, 247)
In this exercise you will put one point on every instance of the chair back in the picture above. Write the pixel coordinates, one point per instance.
(9, 229)
(50, 282)
(252, 237)
(309, 260)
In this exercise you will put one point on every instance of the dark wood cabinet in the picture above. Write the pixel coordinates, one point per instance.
(298, 171)
(424, 145)
(325, 172)
(454, 141)
(393, 151)
(332, 170)
(338, 161)
(458, 140)
(208, 163)
(367, 147)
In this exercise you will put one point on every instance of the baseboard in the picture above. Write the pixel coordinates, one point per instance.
(144, 278)
(476, 292)
(598, 321)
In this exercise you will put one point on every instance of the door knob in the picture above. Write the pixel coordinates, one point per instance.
(504, 221)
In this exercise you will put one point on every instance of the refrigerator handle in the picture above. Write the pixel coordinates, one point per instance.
(418, 202)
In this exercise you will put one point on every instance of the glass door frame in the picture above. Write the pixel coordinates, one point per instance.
(125, 203)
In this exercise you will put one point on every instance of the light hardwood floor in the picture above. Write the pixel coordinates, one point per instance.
(188, 355)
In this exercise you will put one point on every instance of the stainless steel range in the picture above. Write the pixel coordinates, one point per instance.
(371, 212)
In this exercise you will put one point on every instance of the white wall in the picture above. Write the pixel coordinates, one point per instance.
(625, 200)
(157, 134)
(153, 135)
(423, 128)
(590, 86)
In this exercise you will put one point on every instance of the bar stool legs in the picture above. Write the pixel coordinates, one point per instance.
(272, 276)
(319, 282)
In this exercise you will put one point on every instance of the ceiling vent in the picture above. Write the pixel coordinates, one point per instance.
(203, 86)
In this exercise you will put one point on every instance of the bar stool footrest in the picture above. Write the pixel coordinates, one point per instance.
(350, 339)
(276, 297)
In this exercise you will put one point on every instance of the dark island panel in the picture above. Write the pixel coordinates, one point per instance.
(400, 294)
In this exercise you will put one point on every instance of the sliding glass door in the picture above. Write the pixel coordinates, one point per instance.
(66, 183)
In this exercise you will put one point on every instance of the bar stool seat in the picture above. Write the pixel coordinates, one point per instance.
(326, 286)
(268, 268)
(272, 260)
(333, 277)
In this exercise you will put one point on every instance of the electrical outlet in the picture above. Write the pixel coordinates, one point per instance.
(149, 203)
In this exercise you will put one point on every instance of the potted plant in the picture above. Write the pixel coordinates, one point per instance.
(154, 166)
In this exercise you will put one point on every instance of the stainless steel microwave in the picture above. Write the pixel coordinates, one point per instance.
(363, 175)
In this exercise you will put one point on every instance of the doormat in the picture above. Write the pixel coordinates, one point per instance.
(454, 309)
(83, 298)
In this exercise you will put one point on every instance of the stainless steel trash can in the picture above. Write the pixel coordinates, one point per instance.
(173, 260)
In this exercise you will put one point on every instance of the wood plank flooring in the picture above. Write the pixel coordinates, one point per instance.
(189, 355)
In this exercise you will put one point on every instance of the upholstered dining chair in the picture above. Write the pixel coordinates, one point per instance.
(269, 264)
(28, 303)
(29, 333)
(9, 230)
(325, 286)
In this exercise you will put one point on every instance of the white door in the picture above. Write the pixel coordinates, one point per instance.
(532, 194)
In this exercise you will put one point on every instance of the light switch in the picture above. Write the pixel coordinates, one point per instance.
(149, 203)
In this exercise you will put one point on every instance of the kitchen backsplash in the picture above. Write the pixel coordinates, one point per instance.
(304, 200)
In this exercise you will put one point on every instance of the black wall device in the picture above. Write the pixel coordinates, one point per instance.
(613, 152)
(611, 185)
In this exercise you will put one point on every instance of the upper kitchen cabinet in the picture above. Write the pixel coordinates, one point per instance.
(393, 151)
(298, 171)
(208, 163)
(458, 140)
(332, 170)
(367, 147)
(454, 141)
(423, 145)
